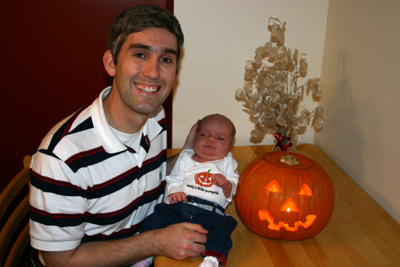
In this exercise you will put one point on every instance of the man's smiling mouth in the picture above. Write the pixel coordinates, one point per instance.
(147, 88)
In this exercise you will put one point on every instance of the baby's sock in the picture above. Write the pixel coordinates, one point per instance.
(209, 261)
(144, 263)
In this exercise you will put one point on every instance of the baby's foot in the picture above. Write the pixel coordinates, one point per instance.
(144, 263)
(209, 262)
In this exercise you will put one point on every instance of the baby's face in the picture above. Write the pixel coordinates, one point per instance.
(213, 139)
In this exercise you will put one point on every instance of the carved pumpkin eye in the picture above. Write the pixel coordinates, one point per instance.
(305, 190)
(273, 187)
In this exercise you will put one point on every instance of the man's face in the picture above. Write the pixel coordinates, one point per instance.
(146, 71)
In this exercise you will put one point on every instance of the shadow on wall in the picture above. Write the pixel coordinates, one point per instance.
(344, 136)
(353, 132)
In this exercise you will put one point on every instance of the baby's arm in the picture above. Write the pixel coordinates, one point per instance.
(177, 197)
(221, 181)
(176, 180)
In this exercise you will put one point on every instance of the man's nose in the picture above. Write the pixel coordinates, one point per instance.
(151, 69)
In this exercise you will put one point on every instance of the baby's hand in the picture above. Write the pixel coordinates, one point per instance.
(219, 180)
(177, 197)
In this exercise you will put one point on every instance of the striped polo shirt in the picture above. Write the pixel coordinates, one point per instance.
(86, 185)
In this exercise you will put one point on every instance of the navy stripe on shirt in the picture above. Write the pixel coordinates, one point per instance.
(69, 220)
(133, 230)
(50, 185)
(89, 157)
(64, 129)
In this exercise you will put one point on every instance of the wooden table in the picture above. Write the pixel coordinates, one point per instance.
(360, 232)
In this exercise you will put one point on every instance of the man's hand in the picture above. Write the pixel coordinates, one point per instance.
(177, 197)
(189, 143)
(221, 181)
(180, 241)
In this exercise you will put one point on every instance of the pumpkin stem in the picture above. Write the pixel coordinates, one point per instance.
(289, 160)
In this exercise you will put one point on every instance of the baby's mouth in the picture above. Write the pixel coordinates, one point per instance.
(147, 88)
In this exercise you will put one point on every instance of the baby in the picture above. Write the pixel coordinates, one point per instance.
(200, 187)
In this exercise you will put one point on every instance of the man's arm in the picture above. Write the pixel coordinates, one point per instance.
(189, 143)
(177, 241)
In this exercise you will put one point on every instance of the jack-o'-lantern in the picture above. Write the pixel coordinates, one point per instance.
(285, 195)
(204, 179)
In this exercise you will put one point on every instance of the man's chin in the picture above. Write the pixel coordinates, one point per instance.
(148, 109)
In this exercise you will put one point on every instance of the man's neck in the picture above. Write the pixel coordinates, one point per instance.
(120, 120)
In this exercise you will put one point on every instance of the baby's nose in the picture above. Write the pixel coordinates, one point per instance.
(211, 138)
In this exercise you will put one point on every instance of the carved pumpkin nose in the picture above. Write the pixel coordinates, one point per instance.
(289, 205)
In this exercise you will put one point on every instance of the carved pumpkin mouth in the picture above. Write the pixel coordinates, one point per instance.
(264, 215)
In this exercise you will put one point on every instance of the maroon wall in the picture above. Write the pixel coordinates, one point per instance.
(51, 65)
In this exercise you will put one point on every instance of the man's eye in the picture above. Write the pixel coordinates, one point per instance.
(166, 60)
(140, 55)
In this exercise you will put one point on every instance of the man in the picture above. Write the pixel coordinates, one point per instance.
(100, 172)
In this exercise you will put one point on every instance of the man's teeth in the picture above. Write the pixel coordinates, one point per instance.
(147, 89)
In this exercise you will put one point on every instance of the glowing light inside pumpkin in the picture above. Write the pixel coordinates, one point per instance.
(289, 205)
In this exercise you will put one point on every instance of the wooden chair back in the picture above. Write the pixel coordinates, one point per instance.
(14, 238)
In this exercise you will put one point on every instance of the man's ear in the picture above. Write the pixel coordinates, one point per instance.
(108, 61)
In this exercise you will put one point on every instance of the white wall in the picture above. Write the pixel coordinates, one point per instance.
(359, 67)
(361, 95)
(220, 35)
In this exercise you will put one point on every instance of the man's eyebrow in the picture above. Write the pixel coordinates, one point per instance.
(150, 48)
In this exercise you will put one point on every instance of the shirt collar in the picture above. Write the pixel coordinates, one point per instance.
(108, 138)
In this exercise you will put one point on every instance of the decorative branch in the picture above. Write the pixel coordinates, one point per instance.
(270, 90)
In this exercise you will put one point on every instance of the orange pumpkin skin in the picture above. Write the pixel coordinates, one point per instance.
(263, 212)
